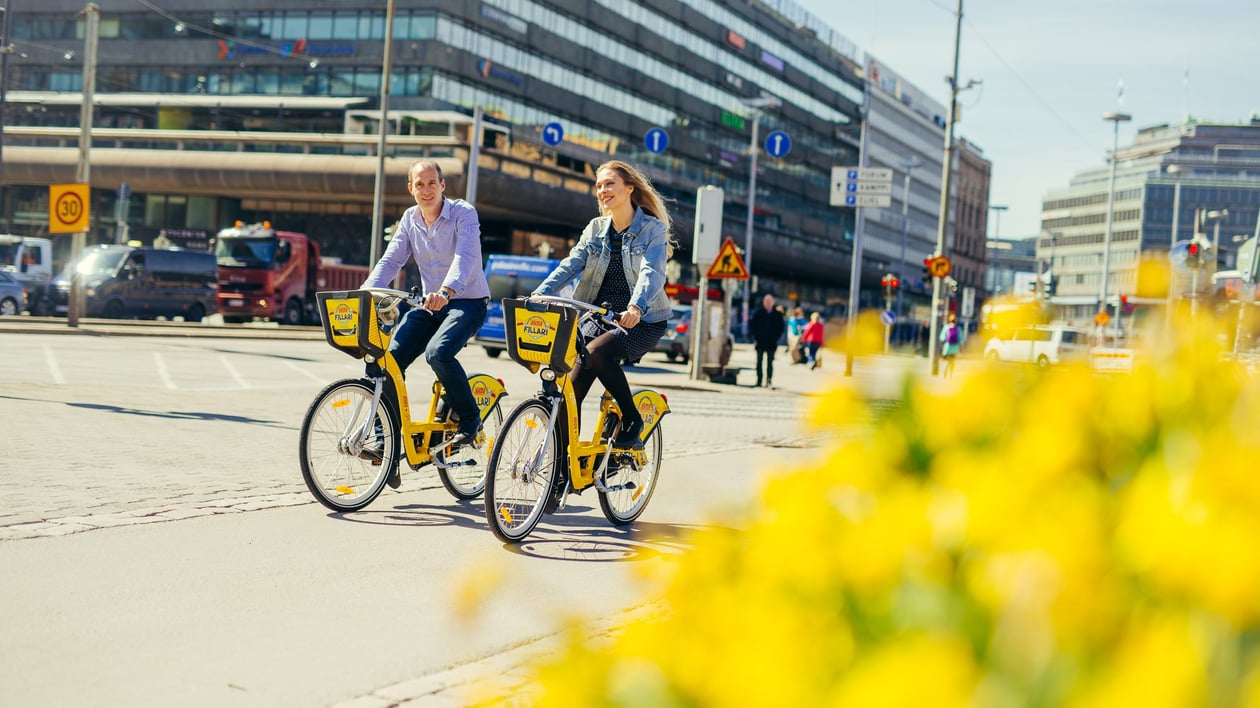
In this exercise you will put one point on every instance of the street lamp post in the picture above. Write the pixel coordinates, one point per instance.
(1175, 171)
(762, 101)
(1116, 119)
(908, 165)
(997, 210)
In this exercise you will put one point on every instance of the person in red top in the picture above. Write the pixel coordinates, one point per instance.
(812, 338)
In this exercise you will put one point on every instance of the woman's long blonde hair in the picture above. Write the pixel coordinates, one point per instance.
(644, 195)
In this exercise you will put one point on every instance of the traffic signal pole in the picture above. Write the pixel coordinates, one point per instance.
(947, 171)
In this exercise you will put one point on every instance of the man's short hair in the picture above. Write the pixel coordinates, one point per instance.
(424, 164)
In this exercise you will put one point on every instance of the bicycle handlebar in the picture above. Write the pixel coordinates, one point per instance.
(603, 314)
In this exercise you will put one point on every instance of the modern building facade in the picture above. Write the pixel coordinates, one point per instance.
(1168, 181)
(607, 73)
(971, 218)
(905, 133)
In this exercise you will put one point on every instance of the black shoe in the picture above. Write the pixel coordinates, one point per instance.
(628, 438)
(462, 438)
(372, 453)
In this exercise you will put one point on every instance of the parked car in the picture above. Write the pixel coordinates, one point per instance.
(126, 281)
(676, 344)
(1042, 345)
(12, 294)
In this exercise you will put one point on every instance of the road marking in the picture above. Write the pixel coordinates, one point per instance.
(305, 373)
(52, 365)
(240, 380)
(162, 372)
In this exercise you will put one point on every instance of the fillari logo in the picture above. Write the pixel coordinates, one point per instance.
(535, 328)
(481, 394)
(344, 320)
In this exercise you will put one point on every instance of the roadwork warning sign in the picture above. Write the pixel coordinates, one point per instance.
(728, 263)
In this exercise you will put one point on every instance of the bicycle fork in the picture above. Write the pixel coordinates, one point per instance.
(355, 437)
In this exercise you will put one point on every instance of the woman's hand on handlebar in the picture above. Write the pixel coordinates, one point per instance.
(630, 317)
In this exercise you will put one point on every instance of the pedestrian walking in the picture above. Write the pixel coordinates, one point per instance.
(812, 339)
(796, 326)
(766, 327)
(951, 340)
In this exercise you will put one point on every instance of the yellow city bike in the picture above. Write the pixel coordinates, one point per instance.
(355, 428)
(539, 458)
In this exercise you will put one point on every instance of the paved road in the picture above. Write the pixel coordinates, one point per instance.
(119, 430)
(160, 548)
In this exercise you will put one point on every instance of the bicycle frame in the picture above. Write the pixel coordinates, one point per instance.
(418, 435)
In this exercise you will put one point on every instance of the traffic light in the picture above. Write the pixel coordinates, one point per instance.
(1125, 306)
(1053, 285)
(890, 283)
(927, 269)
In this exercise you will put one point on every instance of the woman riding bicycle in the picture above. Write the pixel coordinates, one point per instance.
(621, 261)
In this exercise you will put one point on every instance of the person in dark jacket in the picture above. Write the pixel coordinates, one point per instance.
(766, 327)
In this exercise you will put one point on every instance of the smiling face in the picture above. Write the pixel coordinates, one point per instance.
(612, 192)
(427, 187)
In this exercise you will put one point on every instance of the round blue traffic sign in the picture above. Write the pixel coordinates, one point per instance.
(1179, 253)
(888, 317)
(656, 140)
(778, 144)
(553, 133)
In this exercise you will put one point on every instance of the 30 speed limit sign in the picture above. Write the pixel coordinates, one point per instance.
(68, 208)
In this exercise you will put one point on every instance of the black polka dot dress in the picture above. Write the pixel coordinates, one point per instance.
(615, 290)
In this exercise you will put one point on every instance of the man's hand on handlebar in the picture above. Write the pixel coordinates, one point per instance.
(435, 301)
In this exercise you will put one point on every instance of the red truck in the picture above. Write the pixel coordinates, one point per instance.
(274, 275)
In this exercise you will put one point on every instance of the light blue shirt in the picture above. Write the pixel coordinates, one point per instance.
(448, 253)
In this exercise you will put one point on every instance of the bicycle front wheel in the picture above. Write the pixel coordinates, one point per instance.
(464, 475)
(347, 449)
(523, 469)
(631, 484)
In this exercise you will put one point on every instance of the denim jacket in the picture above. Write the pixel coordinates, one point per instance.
(644, 251)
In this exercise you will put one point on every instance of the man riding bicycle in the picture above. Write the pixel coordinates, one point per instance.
(443, 237)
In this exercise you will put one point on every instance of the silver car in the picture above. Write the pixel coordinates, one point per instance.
(676, 344)
(12, 295)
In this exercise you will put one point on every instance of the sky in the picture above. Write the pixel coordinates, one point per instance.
(1050, 70)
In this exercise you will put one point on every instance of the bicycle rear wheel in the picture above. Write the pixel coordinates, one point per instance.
(464, 475)
(343, 474)
(632, 485)
(523, 469)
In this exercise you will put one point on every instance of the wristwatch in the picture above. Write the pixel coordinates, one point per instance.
(446, 292)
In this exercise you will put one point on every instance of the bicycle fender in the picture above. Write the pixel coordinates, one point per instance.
(652, 406)
(486, 391)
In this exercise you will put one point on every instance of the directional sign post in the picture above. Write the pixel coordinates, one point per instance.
(553, 133)
(861, 187)
(656, 140)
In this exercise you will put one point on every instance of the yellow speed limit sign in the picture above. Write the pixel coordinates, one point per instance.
(68, 208)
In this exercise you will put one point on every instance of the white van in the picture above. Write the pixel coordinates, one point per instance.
(1042, 345)
(29, 260)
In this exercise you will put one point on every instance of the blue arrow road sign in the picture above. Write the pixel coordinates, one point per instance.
(553, 133)
(850, 200)
(656, 140)
(888, 317)
(778, 144)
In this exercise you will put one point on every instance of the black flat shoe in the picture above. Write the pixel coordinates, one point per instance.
(628, 438)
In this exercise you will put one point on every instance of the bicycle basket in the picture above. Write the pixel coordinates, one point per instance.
(350, 323)
(539, 334)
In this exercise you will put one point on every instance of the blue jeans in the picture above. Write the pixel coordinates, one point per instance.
(441, 336)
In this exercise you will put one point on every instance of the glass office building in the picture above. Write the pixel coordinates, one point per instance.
(608, 73)
(1168, 181)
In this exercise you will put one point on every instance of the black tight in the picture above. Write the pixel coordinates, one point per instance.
(604, 362)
